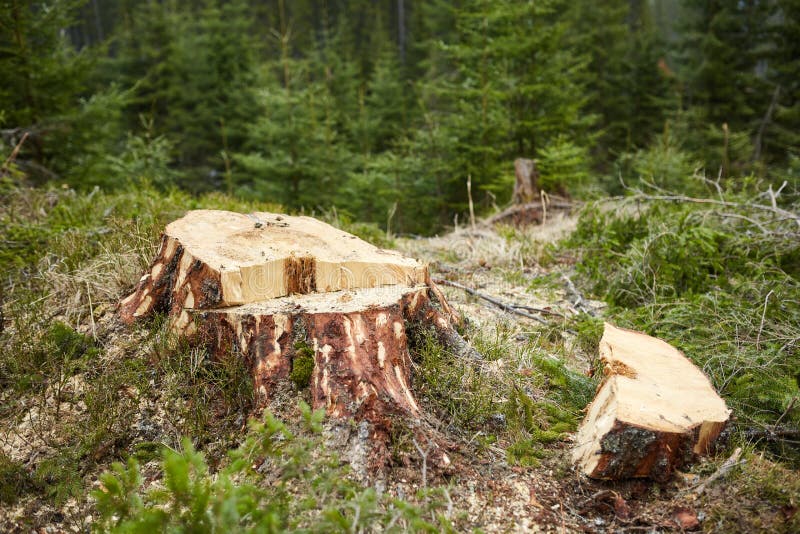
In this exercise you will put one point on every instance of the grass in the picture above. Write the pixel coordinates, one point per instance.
(729, 298)
(66, 259)
(523, 397)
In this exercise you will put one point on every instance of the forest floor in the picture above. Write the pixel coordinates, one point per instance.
(511, 470)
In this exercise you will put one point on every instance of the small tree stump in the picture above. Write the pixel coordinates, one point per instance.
(526, 185)
(299, 300)
(653, 412)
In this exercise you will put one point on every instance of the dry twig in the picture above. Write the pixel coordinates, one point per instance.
(726, 466)
(511, 308)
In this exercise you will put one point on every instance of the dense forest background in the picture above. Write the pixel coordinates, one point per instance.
(382, 109)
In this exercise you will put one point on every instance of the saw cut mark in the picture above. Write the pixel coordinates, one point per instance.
(300, 275)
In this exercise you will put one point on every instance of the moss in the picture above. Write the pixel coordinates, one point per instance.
(526, 452)
(302, 365)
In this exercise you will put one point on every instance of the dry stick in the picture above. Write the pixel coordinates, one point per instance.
(91, 311)
(763, 126)
(578, 304)
(763, 317)
(787, 410)
(500, 304)
(424, 455)
(681, 198)
(545, 199)
(471, 206)
(13, 155)
(726, 466)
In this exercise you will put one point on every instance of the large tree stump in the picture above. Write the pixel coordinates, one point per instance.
(653, 412)
(298, 299)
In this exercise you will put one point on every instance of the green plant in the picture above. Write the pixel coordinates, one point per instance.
(276, 481)
(14, 480)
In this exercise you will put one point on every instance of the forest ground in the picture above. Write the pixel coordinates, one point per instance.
(504, 418)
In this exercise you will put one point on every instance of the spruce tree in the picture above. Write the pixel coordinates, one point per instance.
(722, 62)
(43, 80)
(294, 153)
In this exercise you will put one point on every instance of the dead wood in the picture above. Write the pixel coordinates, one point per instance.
(508, 307)
(653, 412)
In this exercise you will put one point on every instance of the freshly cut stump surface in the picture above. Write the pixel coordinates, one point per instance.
(300, 301)
(210, 259)
(653, 412)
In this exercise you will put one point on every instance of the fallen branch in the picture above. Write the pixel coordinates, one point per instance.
(511, 308)
(773, 433)
(531, 212)
(579, 300)
(726, 203)
(726, 466)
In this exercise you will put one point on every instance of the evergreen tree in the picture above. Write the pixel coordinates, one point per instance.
(779, 134)
(723, 65)
(43, 80)
(295, 156)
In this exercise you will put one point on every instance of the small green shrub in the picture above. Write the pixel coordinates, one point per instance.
(276, 481)
(14, 480)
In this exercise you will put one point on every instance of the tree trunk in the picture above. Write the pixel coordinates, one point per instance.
(653, 412)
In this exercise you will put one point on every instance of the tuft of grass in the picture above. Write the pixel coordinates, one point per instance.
(520, 396)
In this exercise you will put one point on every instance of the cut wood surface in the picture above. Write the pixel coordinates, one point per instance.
(211, 258)
(654, 411)
(301, 302)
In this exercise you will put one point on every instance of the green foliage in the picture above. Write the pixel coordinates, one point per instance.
(563, 166)
(712, 283)
(504, 402)
(306, 490)
(14, 480)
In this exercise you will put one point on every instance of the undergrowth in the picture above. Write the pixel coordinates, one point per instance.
(720, 279)
(522, 397)
(276, 481)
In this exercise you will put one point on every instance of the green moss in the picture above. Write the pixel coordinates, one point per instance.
(302, 365)
(526, 452)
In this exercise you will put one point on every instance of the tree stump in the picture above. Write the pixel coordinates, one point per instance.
(299, 300)
(526, 185)
(528, 204)
(653, 412)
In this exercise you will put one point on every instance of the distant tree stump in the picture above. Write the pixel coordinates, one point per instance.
(526, 186)
(528, 204)
(299, 300)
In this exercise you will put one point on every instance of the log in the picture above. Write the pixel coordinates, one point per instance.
(300, 302)
(654, 411)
